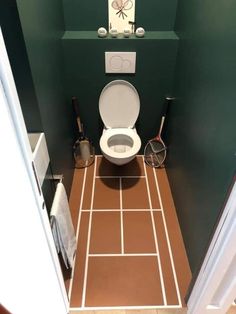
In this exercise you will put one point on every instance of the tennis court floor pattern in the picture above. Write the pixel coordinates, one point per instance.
(130, 252)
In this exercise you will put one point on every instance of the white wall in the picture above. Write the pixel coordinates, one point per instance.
(29, 281)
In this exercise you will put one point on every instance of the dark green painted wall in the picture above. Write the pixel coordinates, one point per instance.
(84, 60)
(202, 127)
(90, 15)
(201, 131)
(85, 73)
(43, 25)
(14, 41)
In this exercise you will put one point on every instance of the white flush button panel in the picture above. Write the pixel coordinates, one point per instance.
(120, 62)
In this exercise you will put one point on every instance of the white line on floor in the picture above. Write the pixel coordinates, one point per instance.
(89, 236)
(125, 254)
(155, 238)
(118, 177)
(121, 218)
(124, 210)
(77, 232)
(144, 307)
(168, 240)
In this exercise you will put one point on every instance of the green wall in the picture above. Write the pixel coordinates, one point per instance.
(85, 60)
(202, 127)
(80, 71)
(43, 25)
(90, 15)
(201, 132)
(14, 41)
(85, 73)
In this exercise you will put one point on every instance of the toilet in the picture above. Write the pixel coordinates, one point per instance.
(119, 107)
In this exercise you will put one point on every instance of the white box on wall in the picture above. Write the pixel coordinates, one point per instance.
(120, 62)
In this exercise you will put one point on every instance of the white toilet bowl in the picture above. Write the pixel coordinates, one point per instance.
(119, 109)
(120, 145)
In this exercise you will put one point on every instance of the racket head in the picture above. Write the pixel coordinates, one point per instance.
(80, 162)
(117, 4)
(155, 153)
(128, 4)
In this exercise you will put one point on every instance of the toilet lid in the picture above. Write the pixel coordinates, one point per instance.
(119, 104)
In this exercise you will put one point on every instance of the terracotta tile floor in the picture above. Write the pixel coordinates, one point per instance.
(130, 252)
(170, 311)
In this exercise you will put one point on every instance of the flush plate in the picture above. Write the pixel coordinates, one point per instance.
(120, 62)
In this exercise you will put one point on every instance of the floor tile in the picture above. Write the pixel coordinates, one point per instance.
(173, 311)
(111, 312)
(106, 168)
(138, 232)
(167, 270)
(105, 233)
(83, 312)
(77, 288)
(141, 312)
(88, 187)
(153, 189)
(232, 310)
(126, 280)
(123, 281)
(175, 236)
(134, 194)
(107, 194)
(75, 195)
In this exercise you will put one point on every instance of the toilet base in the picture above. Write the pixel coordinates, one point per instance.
(119, 161)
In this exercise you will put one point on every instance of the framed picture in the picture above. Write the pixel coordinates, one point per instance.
(121, 15)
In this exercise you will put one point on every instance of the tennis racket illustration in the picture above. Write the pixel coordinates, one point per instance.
(120, 6)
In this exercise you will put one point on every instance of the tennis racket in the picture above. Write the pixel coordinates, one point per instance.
(83, 149)
(121, 5)
(155, 149)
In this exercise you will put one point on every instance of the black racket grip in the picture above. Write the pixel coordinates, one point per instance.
(75, 104)
(167, 102)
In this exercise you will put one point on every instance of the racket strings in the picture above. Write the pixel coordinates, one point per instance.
(155, 153)
(121, 5)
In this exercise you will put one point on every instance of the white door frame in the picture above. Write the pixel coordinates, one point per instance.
(215, 288)
(15, 125)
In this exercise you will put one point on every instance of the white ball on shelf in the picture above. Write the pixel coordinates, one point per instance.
(113, 32)
(102, 32)
(140, 32)
(127, 32)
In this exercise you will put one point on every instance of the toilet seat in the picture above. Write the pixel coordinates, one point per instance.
(130, 135)
(119, 105)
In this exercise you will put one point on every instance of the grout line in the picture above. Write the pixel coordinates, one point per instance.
(143, 307)
(77, 233)
(123, 209)
(121, 219)
(89, 235)
(123, 254)
(168, 240)
(117, 177)
(155, 238)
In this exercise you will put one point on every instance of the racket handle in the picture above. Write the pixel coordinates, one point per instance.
(167, 102)
(161, 126)
(75, 105)
(80, 127)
